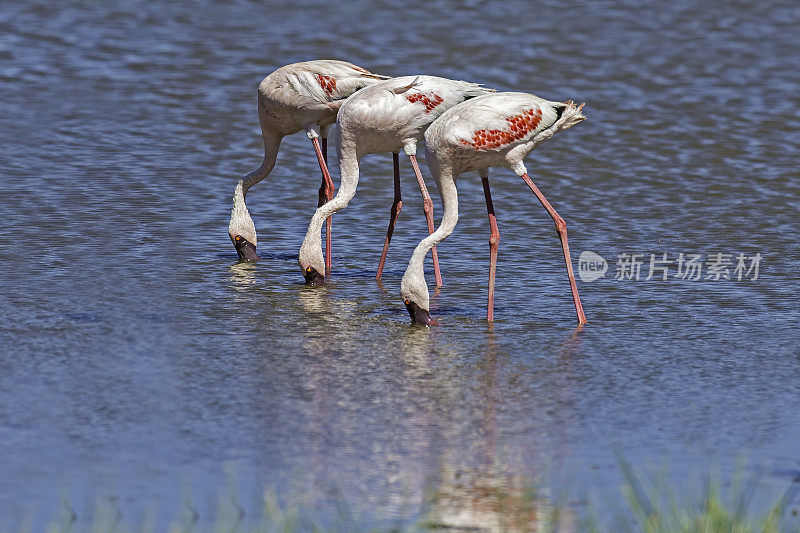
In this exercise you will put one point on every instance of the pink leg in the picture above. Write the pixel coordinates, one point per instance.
(326, 191)
(561, 228)
(396, 207)
(427, 205)
(494, 244)
(323, 194)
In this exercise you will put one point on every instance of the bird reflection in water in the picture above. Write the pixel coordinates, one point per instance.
(494, 493)
(318, 303)
(243, 279)
(433, 431)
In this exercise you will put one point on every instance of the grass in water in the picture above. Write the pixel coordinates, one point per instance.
(642, 506)
(655, 508)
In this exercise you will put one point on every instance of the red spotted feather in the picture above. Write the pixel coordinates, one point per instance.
(328, 83)
(518, 127)
(429, 103)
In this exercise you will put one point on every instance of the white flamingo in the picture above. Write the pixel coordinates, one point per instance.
(386, 117)
(301, 96)
(494, 130)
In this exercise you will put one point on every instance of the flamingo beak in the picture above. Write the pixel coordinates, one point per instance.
(313, 277)
(245, 249)
(419, 315)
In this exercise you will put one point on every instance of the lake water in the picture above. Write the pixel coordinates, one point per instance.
(144, 367)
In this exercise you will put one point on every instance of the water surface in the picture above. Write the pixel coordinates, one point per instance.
(141, 363)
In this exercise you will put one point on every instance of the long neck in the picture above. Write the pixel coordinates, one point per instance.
(348, 170)
(348, 180)
(446, 181)
(271, 144)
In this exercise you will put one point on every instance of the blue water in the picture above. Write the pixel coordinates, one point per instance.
(143, 367)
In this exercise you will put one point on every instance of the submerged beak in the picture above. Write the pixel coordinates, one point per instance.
(313, 277)
(419, 315)
(245, 249)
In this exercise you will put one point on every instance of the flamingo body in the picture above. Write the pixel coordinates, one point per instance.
(393, 115)
(301, 96)
(388, 116)
(494, 130)
(311, 92)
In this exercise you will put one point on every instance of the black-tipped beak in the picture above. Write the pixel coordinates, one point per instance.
(313, 277)
(419, 315)
(245, 249)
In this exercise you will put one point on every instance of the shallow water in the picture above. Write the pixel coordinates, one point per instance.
(142, 363)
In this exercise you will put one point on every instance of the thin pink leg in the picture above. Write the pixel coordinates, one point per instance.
(494, 244)
(326, 191)
(397, 206)
(427, 205)
(561, 228)
(323, 194)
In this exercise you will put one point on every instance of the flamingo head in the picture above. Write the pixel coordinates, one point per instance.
(241, 229)
(419, 315)
(313, 277)
(414, 291)
(312, 263)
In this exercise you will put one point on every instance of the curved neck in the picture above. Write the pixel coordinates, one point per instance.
(348, 165)
(271, 144)
(446, 182)
(348, 170)
(348, 181)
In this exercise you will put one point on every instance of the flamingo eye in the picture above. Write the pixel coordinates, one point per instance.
(238, 238)
(309, 269)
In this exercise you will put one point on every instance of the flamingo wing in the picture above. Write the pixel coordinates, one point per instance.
(500, 120)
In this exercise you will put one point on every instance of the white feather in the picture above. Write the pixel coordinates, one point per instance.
(451, 150)
(291, 99)
(389, 116)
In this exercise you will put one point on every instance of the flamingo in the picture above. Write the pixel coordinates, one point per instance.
(301, 96)
(388, 116)
(494, 130)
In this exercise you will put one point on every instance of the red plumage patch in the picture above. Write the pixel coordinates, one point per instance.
(518, 127)
(328, 83)
(429, 103)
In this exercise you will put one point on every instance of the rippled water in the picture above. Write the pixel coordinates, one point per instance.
(141, 361)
